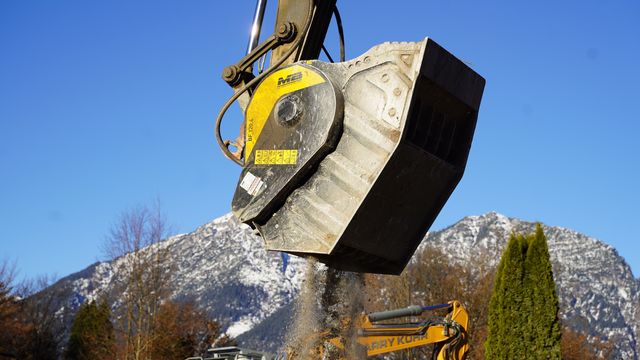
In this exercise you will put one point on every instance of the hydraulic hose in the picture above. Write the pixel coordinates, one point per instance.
(223, 144)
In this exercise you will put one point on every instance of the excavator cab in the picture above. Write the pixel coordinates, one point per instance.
(348, 162)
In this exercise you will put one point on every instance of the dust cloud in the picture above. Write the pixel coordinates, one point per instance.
(326, 311)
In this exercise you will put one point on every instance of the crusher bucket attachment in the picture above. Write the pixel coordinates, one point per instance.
(351, 162)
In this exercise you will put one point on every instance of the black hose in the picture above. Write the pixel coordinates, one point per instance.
(324, 49)
(222, 143)
(336, 13)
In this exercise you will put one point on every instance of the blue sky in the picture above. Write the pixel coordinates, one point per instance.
(106, 105)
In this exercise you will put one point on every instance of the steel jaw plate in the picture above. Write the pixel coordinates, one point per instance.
(406, 113)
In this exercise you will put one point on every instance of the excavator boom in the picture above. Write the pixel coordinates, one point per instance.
(378, 336)
(450, 332)
(348, 162)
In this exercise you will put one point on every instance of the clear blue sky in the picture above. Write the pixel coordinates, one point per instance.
(109, 104)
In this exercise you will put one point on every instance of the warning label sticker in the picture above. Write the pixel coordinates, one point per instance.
(251, 183)
(276, 157)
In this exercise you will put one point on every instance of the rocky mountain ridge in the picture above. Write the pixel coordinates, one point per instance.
(596, 287)
(224, 268)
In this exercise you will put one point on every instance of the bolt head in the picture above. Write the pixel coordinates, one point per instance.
(286, 31)
(283, 29)
(289, 110)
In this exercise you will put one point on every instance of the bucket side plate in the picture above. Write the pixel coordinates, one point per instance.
(410, 111)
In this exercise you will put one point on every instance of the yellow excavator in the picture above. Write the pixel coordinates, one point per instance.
(448, 333)
(376, 336)
(348, 162)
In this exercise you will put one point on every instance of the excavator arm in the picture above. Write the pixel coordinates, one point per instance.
(379, 336)
(449, 333)
(347, 162)
(301, 26)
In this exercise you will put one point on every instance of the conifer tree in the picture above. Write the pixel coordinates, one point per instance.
(92, 335)
(523, 312)
(506, 320)
(544, 326)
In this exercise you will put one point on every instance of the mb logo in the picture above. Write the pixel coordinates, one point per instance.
(291, 78)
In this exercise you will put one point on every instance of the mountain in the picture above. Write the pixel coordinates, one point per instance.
(225, 269)
(221, 266)
(597, 290)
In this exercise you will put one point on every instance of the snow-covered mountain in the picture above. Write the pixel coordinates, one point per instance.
(597, 290)
(225, 269)
(221, 266)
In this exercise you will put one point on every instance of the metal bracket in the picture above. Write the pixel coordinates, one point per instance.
(235, 74)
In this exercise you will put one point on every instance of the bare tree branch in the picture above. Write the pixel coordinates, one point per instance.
(143, 279)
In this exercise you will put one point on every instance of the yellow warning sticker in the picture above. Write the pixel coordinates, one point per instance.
(276, 157)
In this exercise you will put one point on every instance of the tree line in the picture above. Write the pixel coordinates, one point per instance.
(135, 319)
(30, 329)
(513, 307)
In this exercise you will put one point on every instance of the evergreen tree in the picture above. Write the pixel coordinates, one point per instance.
(506, 320)
(92, 335)
(523, 321)
(544, 326)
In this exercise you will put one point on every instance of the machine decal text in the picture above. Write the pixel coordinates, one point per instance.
(276, 157)
(291, 78)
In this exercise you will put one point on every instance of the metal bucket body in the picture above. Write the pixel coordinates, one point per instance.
(409, 114)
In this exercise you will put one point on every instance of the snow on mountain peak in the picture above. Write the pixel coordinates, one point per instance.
(226, 269)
